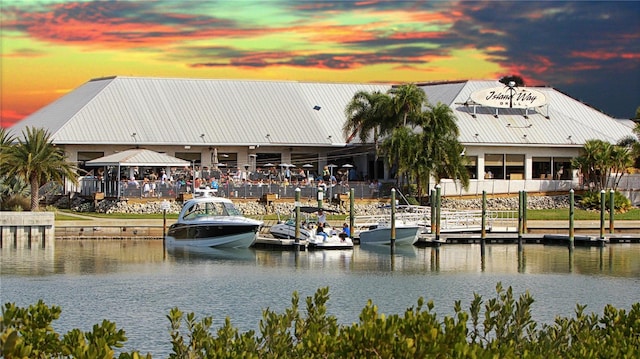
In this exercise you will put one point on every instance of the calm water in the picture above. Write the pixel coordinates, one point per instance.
(136, 283)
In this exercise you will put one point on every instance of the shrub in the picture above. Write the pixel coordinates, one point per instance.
(17, 203)
(501, 327)
(591, 200)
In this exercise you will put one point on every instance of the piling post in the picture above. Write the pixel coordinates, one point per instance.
(352, 210)
(520, 220)
(524, 211)
(483, 231)
(571, 216)
(612, 210)
(297, 205)
(438, 212)
(320, 196)
(602, 210)
(432, 202)
(165, 206)
(393, 217)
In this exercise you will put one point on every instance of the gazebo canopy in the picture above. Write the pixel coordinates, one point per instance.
(138, 157)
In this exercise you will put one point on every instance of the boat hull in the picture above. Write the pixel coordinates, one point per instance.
(319, 242)
(382, 235)
(285, 231)
(212, 235)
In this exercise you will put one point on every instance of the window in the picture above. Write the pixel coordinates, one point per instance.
(541, 167)
(472, 166)
(515, 167)
(494, 166)
(83, 157)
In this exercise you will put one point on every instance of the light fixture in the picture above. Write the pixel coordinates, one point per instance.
(187, 147)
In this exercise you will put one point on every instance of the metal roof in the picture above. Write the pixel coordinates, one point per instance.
(138, 157)
(564, 122)
(173, 111)
(198, 111)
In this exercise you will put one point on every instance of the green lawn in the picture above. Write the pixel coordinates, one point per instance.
(533, 215)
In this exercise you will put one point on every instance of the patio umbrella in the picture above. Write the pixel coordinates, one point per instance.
(307, 166)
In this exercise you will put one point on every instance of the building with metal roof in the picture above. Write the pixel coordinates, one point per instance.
(242, 123)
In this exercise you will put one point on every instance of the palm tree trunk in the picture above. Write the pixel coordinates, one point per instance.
(34, 194)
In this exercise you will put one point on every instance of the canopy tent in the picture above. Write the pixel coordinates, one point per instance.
(138, 157)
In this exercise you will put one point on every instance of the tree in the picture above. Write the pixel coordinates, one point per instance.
(515, 78)
(367, 115)
(36, 160)
(599, 160)
(408, 101)
(425, 142)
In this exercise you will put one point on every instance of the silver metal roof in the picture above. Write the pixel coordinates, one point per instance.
(138, 157)
(565, 122)
(197, 111)
(173, 111)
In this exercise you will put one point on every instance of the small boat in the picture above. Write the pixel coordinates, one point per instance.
(287, 230)
(331, 241)
(406, 234)
(212, 222)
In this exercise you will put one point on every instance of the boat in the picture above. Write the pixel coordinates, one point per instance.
(410, 222)
(287, 230)
(212, 222)
(406, 234)
(333, 240)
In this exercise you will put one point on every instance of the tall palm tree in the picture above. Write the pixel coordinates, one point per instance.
(408, 102)
(367, 114)
(441, 145)
(594, 163)
(36, 160)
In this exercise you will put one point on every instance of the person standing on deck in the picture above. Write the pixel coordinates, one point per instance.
(322, 218)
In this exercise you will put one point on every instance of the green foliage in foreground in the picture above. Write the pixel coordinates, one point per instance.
(498, 328)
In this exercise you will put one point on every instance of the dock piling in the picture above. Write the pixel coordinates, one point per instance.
(602, 210)
(571, 217)
(393, 217)
(612, 210)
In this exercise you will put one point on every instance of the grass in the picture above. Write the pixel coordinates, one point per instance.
(579, 214)
(532, 215)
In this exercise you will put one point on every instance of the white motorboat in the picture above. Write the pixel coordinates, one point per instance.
(406, 234)
(308, 227)
(212, 222)
(331, 241)
(410, 221)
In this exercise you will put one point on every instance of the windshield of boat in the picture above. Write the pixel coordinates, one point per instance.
(206, 209)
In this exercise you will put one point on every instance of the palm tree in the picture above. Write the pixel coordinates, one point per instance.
(36, 160)
(408, 101)
(367, 114)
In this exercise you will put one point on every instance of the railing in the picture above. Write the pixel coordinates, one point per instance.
(363, 190)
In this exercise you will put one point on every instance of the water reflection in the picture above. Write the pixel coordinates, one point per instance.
(205, 253)
(136, 282)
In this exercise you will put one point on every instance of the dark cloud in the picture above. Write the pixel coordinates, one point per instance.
(590, 50)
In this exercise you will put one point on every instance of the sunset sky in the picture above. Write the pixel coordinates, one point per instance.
(589, 50)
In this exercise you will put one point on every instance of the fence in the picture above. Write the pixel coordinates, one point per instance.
(630, 184)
